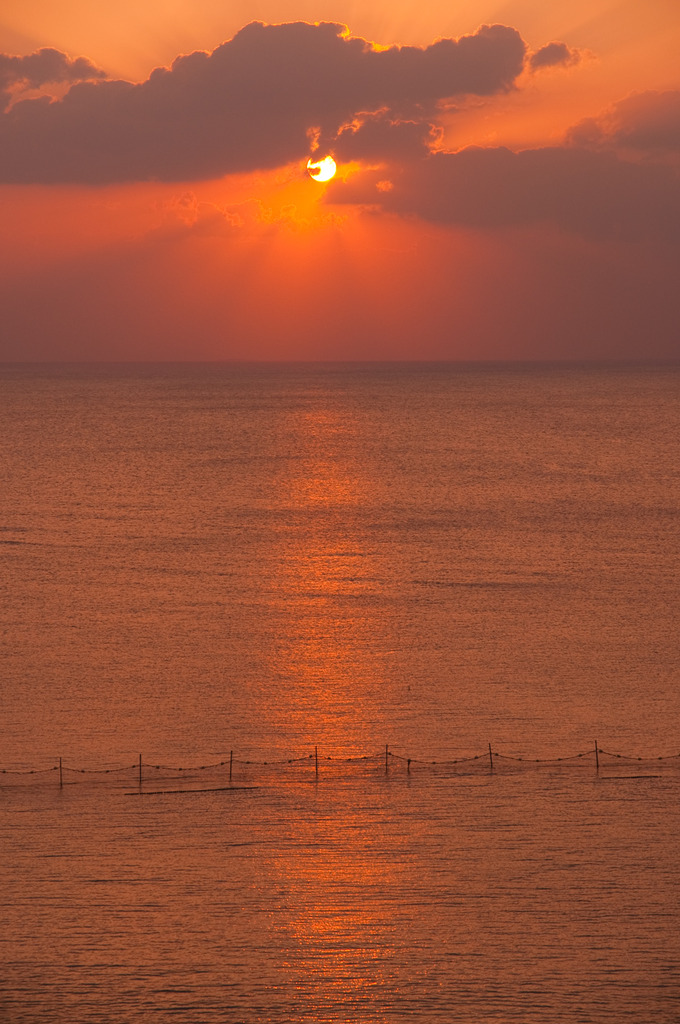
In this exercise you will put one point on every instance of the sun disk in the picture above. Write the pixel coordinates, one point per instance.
(321, 170)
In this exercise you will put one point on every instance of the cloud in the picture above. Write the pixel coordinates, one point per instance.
(250, 104)
(380, 138)
(596, 186)
(554, 55)
(595, 195)
(46, 66)
(646, 123)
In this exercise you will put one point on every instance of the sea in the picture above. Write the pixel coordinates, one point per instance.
(339, 694)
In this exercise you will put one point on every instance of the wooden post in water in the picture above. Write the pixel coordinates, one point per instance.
(490, 758)
(231, 762)
(316, 761)
(597, 759)
(408, 766)
(387, 754)
(140, 770)
(61, 778)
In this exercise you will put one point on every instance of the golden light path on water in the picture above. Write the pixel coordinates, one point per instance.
(325, 645)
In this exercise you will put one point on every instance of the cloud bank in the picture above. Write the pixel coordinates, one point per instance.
(250, 104)
(592, 194)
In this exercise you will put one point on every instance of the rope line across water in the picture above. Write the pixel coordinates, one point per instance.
(314, 758)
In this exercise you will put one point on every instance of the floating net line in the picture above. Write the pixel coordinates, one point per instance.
(234, 772)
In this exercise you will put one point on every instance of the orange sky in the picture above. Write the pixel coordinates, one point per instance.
(176, 220)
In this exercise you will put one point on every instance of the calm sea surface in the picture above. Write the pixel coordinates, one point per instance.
(216, 567)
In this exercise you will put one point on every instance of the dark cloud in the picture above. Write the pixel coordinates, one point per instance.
(554, 55)
(647, 123)
(46, 66)
(380, 138)
(250, 104)
(596, 195)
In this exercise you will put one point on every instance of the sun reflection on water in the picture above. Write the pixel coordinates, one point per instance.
(343, 950)
(328, 576)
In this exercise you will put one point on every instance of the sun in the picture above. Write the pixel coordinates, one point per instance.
(321, 170)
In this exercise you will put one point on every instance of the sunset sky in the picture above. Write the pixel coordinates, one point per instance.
(508, 181)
